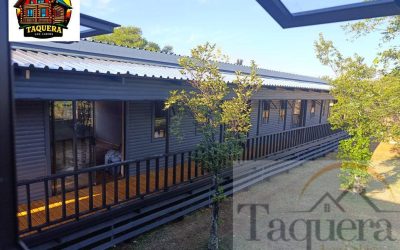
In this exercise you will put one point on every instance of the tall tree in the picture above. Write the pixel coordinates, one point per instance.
(211, 108)
(129, 36)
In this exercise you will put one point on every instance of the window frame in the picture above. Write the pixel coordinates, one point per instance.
(282, 110)
(265, 103)
(153, 119)
(30, 11)
(313, 108)
(40, 1)
(41, 12)
(323, 107)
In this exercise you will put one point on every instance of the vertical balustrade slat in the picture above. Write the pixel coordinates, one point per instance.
(104, 188)
(252, 149)
(166, 161)
(90, 177)
(174, 169)
(280, 141)
(76, 192)
(127, 181)
(256, 149)
(28, 199)
(244, 151)
(263, 148)
(157, 173)
(147, 176)
(248, 150)
(182, 166)
(138, 178)
(115, 172)
(203, 170)
(46, 206)
(64, 208)
(196, 165)
(190, 166)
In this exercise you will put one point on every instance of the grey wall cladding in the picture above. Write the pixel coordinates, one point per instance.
(31, 137)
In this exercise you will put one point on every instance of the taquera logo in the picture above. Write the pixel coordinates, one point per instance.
(43, 18)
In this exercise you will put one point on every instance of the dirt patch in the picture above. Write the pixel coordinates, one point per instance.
(191, 232)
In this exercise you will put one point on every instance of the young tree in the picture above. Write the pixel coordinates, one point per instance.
(367, 109)
(214, 104)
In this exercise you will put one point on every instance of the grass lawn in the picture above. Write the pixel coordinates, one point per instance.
(285, 194)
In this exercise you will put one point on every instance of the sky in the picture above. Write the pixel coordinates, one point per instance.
(241, 28)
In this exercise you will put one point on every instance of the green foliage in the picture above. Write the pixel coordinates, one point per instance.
(367, 109)
(389, 28)
(167, 49)
(211, 108)
(130, 36)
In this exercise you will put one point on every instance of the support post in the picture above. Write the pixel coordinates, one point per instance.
(8, 208)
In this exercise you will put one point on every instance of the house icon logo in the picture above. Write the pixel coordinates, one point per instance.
(43, 19)
(327, 204)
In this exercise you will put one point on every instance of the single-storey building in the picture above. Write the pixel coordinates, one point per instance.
(75, 102)
(82, 108)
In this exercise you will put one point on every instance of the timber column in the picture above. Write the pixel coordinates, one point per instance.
(8, 207)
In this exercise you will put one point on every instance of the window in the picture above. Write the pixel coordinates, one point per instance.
(266, 107)
(297, 114)
(312, 111)
(323, 106)
(331, 103)
(72, 125)
(40, 1)
(30, 13)
(31, 2)
(159, 121)
(327, 208)
(282, 110)
(43, 12)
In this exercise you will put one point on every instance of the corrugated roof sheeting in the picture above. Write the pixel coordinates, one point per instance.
(56, 61)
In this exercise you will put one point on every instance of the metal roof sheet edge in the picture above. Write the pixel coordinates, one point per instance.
(91, 48)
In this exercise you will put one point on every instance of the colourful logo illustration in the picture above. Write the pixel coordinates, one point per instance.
(43, 18)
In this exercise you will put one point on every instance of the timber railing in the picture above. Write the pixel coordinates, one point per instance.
(65, 197)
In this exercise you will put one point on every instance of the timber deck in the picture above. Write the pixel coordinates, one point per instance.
(38, 207)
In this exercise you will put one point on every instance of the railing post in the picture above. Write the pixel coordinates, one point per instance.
(8, 191)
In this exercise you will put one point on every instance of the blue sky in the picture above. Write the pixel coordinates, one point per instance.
(241, 28)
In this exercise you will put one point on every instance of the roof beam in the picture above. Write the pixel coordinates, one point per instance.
(97, 26)
(341, 13)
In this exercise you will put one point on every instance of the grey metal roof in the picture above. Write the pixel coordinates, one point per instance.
(106, 65)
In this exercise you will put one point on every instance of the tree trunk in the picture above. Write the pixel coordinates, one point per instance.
(213, 239)
(358, 187)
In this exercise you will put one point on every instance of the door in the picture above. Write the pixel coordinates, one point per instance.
(299, 113)
(72, 137)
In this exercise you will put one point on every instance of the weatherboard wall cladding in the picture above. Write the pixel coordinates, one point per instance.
(32, 149)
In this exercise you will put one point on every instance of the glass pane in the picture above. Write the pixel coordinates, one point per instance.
(160, 120)
(297, 107)
(73, 122)
(63, 136)
(301, 5)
